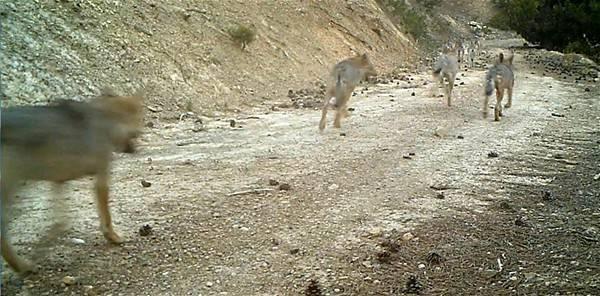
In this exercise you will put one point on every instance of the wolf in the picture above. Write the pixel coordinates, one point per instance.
(471, 54)
(460, 51)
(64, 141)
(446, 67)
(343, 79)
(500, 77)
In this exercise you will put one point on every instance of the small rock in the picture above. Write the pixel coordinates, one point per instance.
(421, 266)
(493, 154)
(462, 83)
(216, 215)
(146, 184)
(232, 122)
(77, 241)
(285, 186)
(343, 134)
(313, 288)
(406, 157)
(413, 286)
(273, 182)
(407, 236)
(440, 195)
(150, 124)
(434, 258)
(88, 289)
(351, 109)
(587, 89)
(413, 94)
(557, 114)
(411, 153)
(333, 187)
(145, 230)
(547, 195)
(376, 232)
(294, 251)
(460, 137)
(520, 222)
(209, 284)
(69, 280)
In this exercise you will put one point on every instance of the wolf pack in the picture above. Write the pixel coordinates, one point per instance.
(67, 140)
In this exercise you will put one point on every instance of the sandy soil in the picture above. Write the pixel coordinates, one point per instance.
(353, 196)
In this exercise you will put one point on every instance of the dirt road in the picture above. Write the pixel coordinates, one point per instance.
(354, 195)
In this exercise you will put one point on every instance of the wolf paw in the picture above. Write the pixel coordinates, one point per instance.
(113, 237)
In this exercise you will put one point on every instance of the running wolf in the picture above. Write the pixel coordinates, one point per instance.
(446, 67)
(460, 51)
(344, 78)
(471, 53)
(65, 141)
(500, 77)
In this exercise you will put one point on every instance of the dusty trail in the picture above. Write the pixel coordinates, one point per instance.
(345, 190)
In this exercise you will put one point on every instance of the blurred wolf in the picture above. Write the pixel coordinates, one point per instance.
(64, 141)
(500, 77)
(471, 54)
(344, 77)
(446, 67)
(460, 50)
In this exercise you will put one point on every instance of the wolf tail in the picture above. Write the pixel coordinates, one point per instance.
(489, 82)
(339, 89)
(437, 68)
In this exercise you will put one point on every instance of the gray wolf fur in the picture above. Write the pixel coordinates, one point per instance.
(446, 67)
(344, 78)
(499, 77)
(64, 141)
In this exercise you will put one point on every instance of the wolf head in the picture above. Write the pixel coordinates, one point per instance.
(367, 66)
(126, 113)
(507, 61)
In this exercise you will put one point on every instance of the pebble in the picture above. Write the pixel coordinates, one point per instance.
(407, 236)
(209, 284)
(421, 266)
(77, 241)
(333, 187)
(376, 232)
(284, 186)
(68, 280)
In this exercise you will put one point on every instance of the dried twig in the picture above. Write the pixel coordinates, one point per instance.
(250, 191)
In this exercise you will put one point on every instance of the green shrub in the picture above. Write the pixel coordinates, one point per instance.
(411, 19)
(242, 35)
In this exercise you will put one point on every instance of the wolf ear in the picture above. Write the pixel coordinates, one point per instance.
(500, 58)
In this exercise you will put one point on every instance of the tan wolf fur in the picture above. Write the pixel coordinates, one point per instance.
(344, 78)
(446, 67)
(499, 77)
(65, 141)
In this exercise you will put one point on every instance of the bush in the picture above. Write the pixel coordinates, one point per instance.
(411, 19)
(567, 25)
(242, 35)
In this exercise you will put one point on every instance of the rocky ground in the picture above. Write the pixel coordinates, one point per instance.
(410, 196)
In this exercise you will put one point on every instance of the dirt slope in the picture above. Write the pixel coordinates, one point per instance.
(180, 53)
(353, 198)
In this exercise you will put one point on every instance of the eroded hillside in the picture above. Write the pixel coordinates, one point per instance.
(180, 52)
